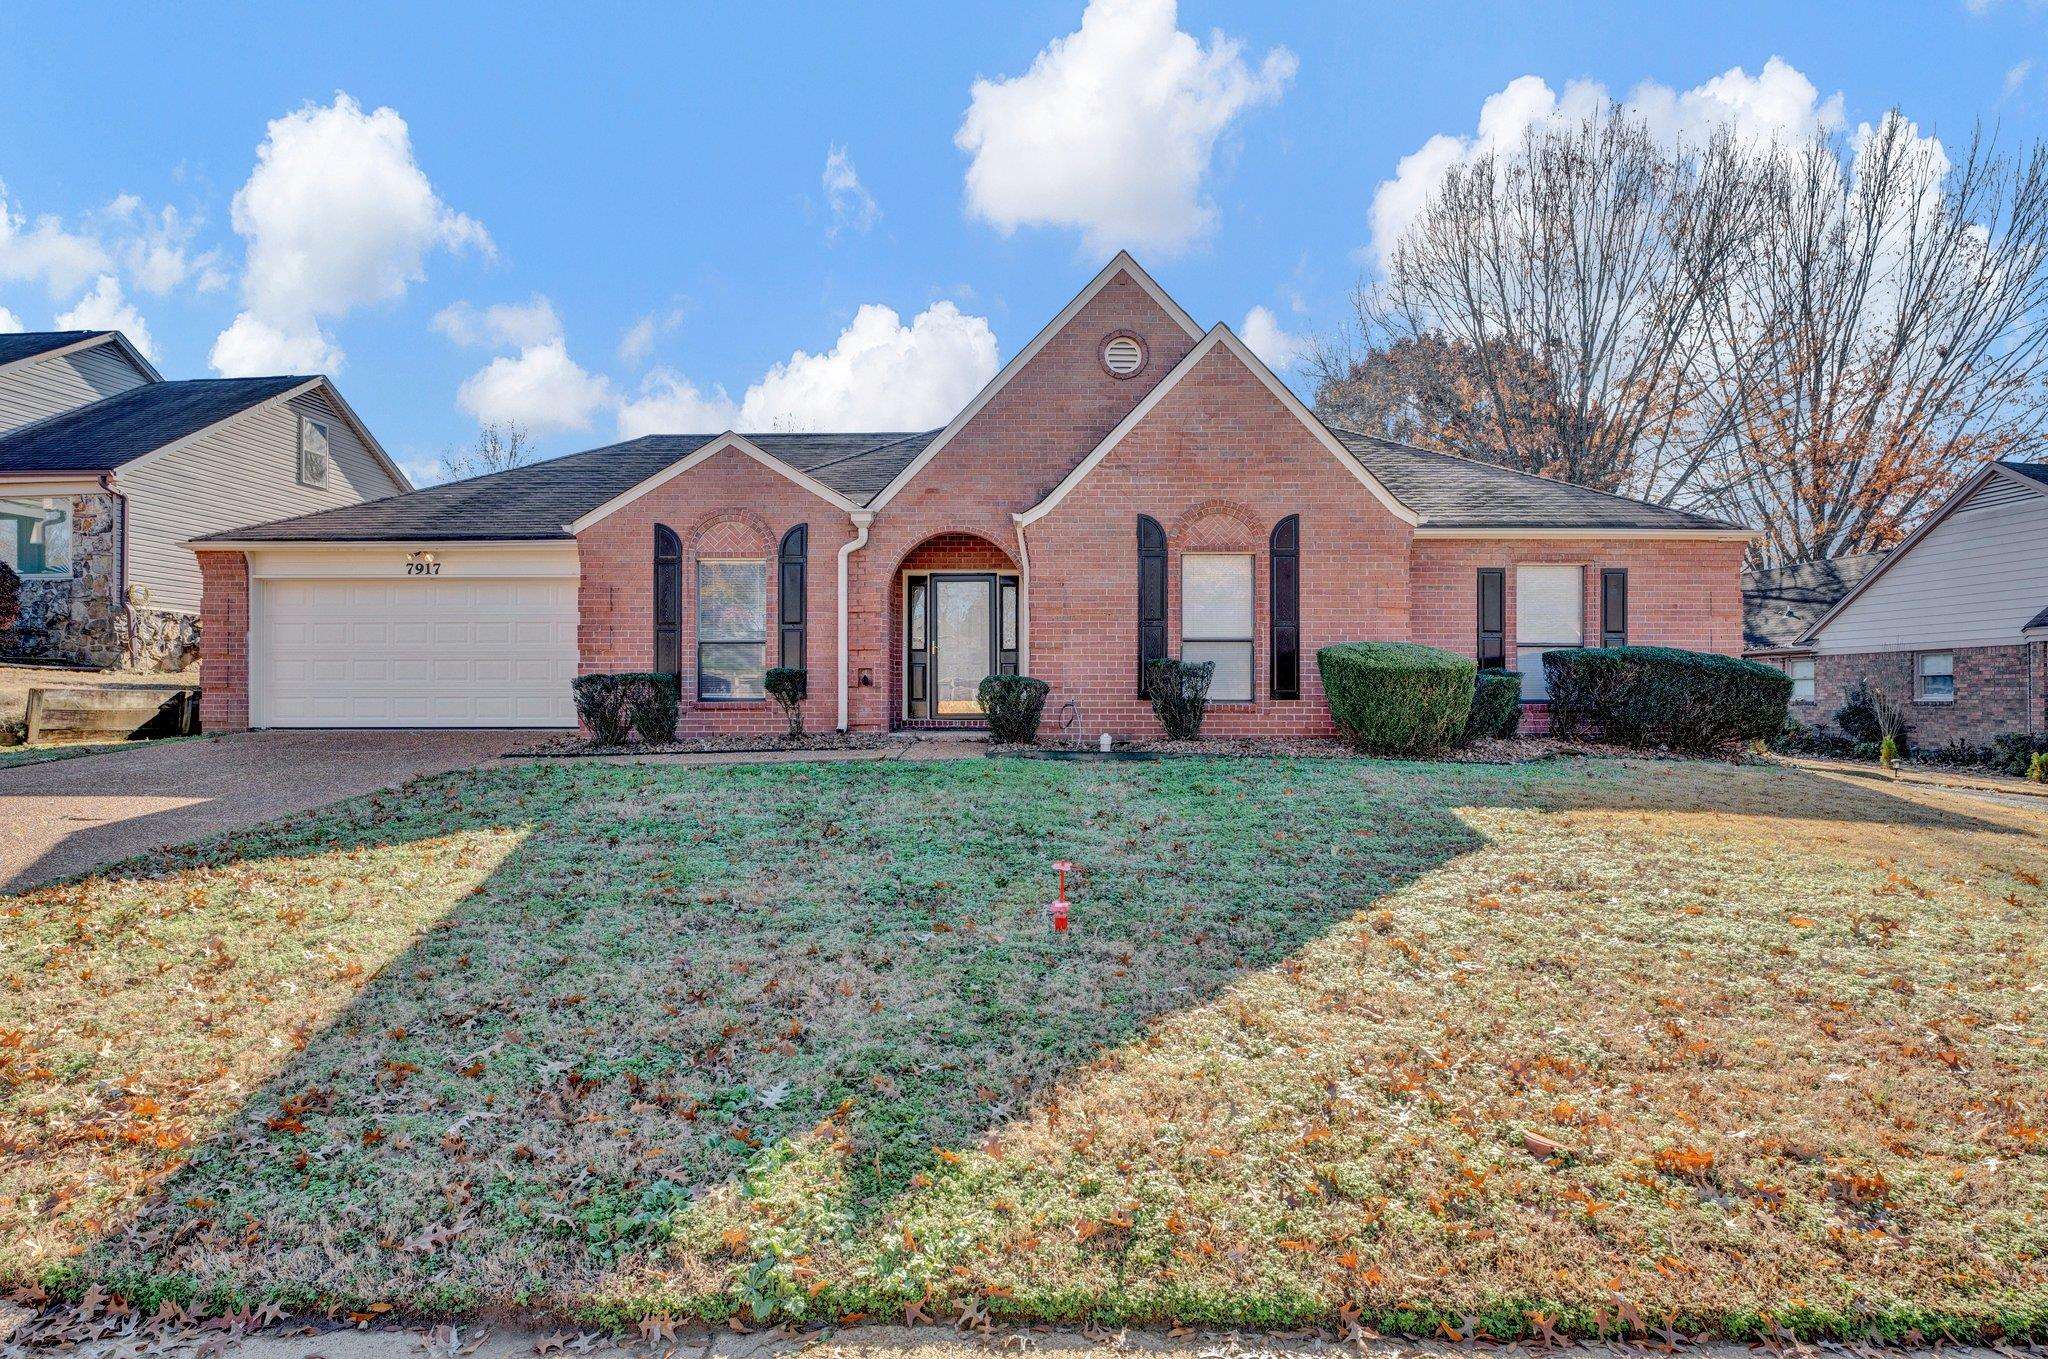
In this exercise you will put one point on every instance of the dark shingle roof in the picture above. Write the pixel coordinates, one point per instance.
(1779, 605)
(2039, 620)
(123, 427)
(2033, 471)
(28, 344)
(537, 500)
(1453, 492)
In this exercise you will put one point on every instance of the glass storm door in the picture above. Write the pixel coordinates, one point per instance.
(963, 642)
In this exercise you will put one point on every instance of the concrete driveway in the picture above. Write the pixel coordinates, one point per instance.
(65, 816)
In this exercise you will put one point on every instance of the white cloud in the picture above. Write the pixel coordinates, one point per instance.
(2016, 76)
(156, 248)
(853, 207)
(104, 308)
(43, 252)
(1775, 104)
(1113, 130)
(512, 324)
(541, 389)
(10, 324)
(252, 347)
(638, 341)
(880, 374)
(337, 215)
(1262, 333)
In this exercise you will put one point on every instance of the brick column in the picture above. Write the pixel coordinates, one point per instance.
(224, 641)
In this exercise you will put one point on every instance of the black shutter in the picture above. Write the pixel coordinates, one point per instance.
(1614, 607)
(1284, 612)
(1151, 597)
(1493, 618)
(668, 601)
(791, 577)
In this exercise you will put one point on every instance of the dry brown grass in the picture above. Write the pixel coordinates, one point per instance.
(640, 1039)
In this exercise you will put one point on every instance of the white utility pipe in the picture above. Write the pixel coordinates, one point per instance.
(861, 520)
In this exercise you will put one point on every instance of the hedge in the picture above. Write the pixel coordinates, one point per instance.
(614, 705)
(1397, 698)
(1661, 696)
(1014, 704)
(1180, 695)
(1496, 705)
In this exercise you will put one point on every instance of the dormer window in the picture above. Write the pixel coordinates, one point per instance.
(313, 452)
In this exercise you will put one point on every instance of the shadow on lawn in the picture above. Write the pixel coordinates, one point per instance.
(673, 973)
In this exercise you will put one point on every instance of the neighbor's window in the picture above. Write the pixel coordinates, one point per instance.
(1934, 677)
(313, 452)
(1802, 680)
(35, 536)
(1216, 620)
(1550, 612)
(732, 629)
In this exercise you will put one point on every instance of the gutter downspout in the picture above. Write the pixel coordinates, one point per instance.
(1023, 599)
(861, 520)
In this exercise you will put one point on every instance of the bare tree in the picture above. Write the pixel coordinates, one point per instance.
(1571, 274)
(1886, 332)
(498, 448)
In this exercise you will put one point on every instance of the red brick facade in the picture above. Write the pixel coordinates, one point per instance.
(1218, 460)
(2000, 690)
(223, 641)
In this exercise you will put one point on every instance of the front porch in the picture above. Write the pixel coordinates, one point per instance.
(955, 618)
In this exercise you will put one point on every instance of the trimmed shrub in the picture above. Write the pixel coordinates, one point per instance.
(1496, 705)
(787, 685)
(1180, 695)
(617, 705)
(2037, 768)
(1397, 698)
(1014, 704)
(2014, 752)
(1869, 714)
(10, 597)
(1658, 695)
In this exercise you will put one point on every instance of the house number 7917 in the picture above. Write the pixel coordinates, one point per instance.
(425, 568)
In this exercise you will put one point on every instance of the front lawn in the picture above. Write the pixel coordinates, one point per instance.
(1327, 1039)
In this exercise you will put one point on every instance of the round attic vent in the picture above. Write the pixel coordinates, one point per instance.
(1123, 356)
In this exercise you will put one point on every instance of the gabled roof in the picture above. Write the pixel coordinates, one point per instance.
(1778, 606)
(20, 347)
(121, 428)
(2038, 623)
(538, 501)
(29, 344)
(2031, 475)
(1121, 264)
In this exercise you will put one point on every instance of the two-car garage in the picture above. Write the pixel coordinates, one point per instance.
(386, 636)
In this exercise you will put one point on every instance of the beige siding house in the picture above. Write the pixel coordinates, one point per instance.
(107, 470)
(1953, 621)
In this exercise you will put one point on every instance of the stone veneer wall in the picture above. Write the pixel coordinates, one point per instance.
(83, 619)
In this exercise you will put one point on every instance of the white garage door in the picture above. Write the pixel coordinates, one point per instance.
(413, 653)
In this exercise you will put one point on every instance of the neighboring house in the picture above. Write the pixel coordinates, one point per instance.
(1128, 487)
(106, 469)
(1778, 606)
(1953, 622)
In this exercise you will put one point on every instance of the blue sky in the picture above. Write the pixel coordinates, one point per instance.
(688, 217)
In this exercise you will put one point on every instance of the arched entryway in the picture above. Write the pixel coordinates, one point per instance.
(955, 618)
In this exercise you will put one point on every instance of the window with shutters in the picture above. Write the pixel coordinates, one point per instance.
(1550, 612)
(1151, 597)
(732, 626)
(792, 597)
(1284, 608)
(1216, 620)
(1614, 607)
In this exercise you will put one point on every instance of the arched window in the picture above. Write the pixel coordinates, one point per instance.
(668, 601)
(791, 595)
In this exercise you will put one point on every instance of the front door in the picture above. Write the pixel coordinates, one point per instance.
(960, 632)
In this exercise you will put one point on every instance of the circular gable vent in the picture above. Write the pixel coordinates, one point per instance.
(1123, 356)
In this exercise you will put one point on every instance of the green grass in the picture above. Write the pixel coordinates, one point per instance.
(795, 1041)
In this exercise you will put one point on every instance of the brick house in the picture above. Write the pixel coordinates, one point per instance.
(1953, 622)
(1128, 486)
